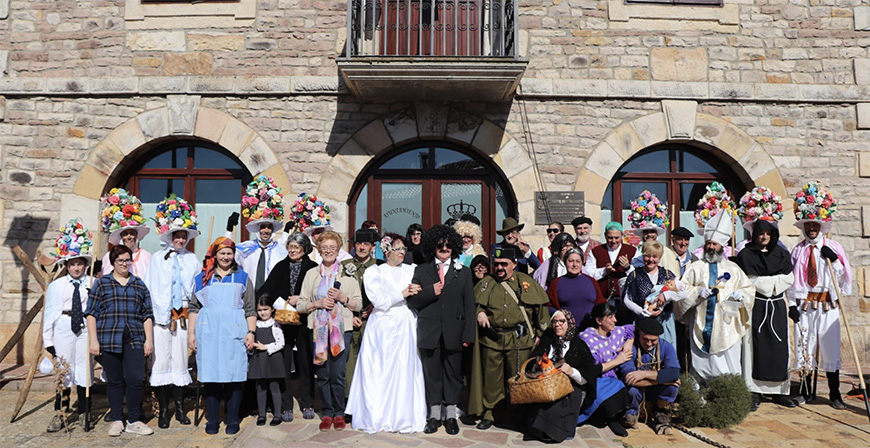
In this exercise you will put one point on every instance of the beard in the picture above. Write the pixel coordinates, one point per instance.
(583, 239)
(714, 256)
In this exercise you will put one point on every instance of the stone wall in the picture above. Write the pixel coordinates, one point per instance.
(82, 82)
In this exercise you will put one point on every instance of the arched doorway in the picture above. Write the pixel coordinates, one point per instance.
(208, 176)
(428, 183)
(675, 173)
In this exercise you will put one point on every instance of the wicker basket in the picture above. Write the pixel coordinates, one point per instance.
(286, 317)
(545, 389)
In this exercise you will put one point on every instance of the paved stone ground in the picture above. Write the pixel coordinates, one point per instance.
(816, 424)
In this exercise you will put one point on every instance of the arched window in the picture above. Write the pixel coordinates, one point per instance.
(428, 183)
(676, 173)
(209, 177)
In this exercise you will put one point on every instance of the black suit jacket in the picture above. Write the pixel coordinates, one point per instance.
(449, 315)
(278, 282)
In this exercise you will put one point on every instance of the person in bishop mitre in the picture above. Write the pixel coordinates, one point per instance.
(722, 297)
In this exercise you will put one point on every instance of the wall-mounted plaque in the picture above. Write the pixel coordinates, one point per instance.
(563, 206)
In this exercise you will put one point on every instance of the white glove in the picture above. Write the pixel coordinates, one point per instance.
(645, 312)
(706, 292)
(737, 296)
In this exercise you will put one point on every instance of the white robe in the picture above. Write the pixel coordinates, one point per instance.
(724, 352)
(170, 359)
(387, 392)
(57, 332)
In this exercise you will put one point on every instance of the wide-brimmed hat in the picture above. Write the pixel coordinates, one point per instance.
(309, 230)
(759, 203)
(263, 203)
(174, 214)
(509, 224)
(813, 203)
(74, 241)
(121, 211)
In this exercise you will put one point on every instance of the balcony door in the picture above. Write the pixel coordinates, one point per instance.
(428, 185)
(429, 27)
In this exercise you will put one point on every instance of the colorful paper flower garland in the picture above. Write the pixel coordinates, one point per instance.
(174, 212)
(715, 200)
(263, 200)
(647, 212)
(814, 202)
(309, 211)
(120, 209)
(760, 203)
(74, 241)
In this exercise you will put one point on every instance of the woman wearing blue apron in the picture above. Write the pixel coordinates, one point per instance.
(223, 319)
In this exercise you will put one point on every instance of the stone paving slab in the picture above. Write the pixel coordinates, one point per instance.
(812, 425)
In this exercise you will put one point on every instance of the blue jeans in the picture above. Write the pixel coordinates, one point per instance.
(124, 372)
(331, 381)
(660, 392)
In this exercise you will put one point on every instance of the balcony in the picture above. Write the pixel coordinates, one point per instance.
(432, 49)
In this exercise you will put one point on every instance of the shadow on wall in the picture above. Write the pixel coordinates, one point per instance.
(29, 233)
(362, 131)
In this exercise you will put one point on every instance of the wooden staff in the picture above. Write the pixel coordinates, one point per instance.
(849, 335)
(88, 372)
(210, 228)
(43, 279)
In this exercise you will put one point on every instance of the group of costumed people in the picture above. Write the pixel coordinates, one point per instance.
(394, 328)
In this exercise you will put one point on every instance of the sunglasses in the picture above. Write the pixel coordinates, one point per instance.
(552, 230)
(500, 264)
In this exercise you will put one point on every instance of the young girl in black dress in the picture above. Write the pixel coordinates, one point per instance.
(267, 361)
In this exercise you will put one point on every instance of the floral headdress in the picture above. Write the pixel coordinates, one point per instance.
(121, 211)
(648, 212)
(760, 203)
(263, 200)
(74, 242)
(386, 244)
(173, 214)
(308, 211)
(715, 200)
(813, 202)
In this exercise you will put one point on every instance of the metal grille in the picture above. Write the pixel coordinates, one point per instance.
(436, 28)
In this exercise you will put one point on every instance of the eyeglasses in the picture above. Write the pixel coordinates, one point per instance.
(328, 248)
(468, 237)
(125, 261)
(442, 245)
(480, 267)
(400, 249)
(560, 321)
(552, 230)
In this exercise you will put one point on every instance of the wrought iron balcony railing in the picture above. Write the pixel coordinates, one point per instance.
(432, 28)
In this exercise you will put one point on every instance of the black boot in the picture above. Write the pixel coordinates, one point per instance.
(178, 394)
(834, 386)
(163, 403)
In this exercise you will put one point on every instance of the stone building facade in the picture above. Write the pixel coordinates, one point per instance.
(776, 91)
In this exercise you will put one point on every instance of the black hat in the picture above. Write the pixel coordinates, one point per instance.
(580, 220)
(649, 326)
(683, 232)
(508, 251)
(470, 218)
(365, 236)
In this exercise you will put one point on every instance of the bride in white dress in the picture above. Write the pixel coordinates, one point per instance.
(387, 392)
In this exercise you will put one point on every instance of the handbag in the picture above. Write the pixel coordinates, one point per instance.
(545, 389)
(286, 317)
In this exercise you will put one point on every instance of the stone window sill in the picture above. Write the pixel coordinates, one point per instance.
(150, 16)
(619, 11)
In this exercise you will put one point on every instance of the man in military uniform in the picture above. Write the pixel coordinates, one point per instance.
(364, 241)
(512, 314)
